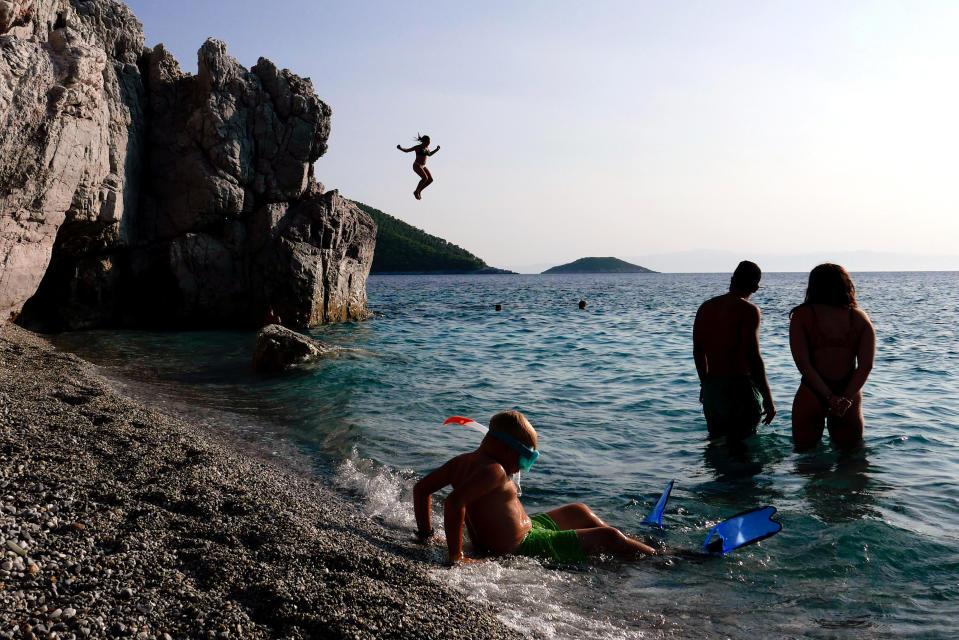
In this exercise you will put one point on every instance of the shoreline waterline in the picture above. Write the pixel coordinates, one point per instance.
(123, 520)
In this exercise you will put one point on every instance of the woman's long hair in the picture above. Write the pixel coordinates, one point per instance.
(424, 139)
(829, 284)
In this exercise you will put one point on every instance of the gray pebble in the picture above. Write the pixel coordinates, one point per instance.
(16, 548)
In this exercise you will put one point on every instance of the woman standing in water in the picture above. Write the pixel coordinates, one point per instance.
(833, 344)
(419, 163)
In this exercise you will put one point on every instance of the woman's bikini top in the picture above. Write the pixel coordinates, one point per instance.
(819, 340)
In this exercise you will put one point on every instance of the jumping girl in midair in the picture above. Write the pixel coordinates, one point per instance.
(419, 164)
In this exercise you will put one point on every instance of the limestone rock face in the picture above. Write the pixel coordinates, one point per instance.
(14, 13)
(64, 130)
(317, 244)
(142, 195)
(278, 348)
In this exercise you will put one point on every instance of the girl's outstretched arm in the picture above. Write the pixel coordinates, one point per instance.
(433, 151)
(404, 150)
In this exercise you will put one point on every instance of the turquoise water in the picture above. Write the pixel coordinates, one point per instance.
(869, 545)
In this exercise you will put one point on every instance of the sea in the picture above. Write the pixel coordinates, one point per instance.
(870, 540)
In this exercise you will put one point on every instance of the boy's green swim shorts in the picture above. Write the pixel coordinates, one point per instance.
(545, 540)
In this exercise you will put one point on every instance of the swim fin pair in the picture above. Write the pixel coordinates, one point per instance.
(740, 530)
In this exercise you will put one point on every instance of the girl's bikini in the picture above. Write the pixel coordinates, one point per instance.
(420, 159)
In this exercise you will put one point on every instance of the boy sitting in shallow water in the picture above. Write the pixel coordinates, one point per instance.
(484, 497)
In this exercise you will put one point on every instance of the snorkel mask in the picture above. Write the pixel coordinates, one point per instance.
(525, 456)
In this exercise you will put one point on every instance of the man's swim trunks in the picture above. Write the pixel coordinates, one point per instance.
(732, 406)
(545, 540)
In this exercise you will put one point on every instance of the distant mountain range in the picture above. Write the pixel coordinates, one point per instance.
(721, 261)
(598, 265)
(713, 260)
(402, 248)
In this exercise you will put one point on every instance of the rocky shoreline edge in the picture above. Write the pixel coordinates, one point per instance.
(121, 521)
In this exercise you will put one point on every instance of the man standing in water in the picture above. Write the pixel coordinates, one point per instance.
(734, 389)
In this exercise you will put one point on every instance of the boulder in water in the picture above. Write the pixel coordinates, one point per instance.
(278, 348)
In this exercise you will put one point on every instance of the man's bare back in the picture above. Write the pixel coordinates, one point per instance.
(724, 328)
(734, 389)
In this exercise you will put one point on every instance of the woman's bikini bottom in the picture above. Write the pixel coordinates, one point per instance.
(838, 387)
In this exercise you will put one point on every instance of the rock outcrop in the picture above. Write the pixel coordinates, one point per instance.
(133, 194)
(278, 348)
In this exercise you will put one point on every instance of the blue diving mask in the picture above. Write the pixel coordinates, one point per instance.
(525, 456)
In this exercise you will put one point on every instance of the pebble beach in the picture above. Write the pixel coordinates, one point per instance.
(118, 520)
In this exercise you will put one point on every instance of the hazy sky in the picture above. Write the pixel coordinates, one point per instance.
(571, 129)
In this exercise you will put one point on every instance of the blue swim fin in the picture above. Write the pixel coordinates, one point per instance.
(655, 516)
(742, 529)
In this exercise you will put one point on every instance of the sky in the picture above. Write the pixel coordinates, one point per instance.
(630, 129)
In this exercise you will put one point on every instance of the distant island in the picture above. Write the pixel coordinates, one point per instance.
(598, 265)
(402, 248)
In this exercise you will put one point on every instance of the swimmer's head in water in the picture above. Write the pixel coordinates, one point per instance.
(499, 307)
(582, 304)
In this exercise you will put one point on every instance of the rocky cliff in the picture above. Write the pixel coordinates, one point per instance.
(133, 194)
